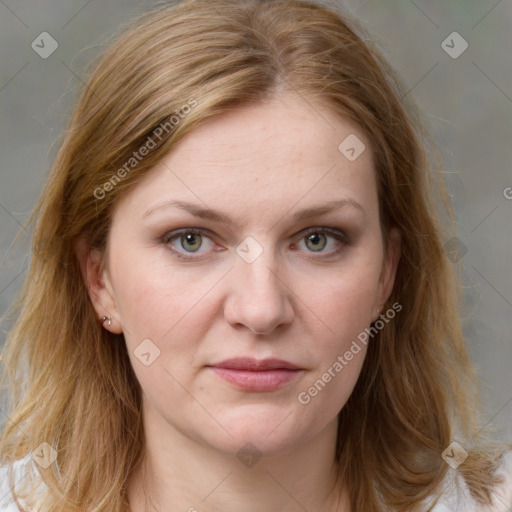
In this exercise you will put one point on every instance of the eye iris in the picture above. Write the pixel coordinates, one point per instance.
(194, 240)
(316, 239)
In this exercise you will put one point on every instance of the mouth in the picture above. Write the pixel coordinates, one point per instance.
(252, 375)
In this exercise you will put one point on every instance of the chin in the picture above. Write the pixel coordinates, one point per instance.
(255, 446)
(269, 431)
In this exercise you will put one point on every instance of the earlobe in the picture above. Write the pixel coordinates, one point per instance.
(98, 285)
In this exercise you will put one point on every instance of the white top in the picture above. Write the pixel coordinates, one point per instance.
(456, 497)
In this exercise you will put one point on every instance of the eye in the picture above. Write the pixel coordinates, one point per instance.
(187, 242)
(317, 239)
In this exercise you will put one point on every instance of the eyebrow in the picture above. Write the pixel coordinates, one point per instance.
(215, 215)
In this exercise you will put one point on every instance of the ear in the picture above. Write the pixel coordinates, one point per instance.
(388, 272)
(98, 283)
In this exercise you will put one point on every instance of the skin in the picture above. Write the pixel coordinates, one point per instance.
(259, 165)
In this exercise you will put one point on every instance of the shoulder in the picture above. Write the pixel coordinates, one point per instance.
(457, 498)
(20, 473)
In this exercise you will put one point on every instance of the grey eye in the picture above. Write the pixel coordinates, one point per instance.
(191, 242)
(316, 241)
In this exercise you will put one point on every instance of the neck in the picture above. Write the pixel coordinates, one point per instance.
(195, 477)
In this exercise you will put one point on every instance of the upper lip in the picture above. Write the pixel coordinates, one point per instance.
(249, 363)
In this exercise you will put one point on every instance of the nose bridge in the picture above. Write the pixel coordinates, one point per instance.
(260, 298)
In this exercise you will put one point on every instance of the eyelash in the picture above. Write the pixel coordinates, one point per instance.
(335, 233)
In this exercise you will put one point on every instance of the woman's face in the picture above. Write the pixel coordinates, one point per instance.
(256, 284)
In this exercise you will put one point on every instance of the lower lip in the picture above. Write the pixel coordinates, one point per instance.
(267, 380)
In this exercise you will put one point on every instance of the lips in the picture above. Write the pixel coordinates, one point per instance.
(249, 374)
(251, 364)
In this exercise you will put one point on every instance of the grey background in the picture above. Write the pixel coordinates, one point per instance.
(466, 101)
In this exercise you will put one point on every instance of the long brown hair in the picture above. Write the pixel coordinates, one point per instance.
(71, 382)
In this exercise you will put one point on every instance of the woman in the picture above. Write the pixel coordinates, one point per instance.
(238, 296)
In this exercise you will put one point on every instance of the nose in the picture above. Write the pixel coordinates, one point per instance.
(259, 298)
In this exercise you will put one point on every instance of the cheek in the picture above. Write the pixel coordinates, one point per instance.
(345, 300)
(167, 313)
(345, 308)
(144, 302)
(153, 297)
(159, 312)
(345, 304)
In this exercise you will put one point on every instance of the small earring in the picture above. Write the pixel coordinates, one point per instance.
(109, 323)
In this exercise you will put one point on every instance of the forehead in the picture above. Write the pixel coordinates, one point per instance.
(280, 131)
(281, 152)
